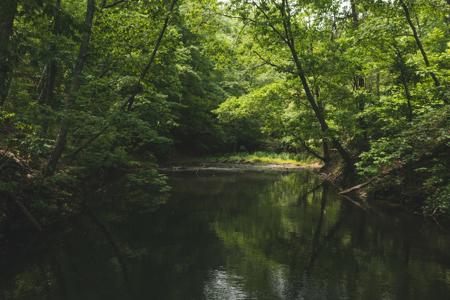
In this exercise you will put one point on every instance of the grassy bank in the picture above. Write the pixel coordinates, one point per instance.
(265, 158)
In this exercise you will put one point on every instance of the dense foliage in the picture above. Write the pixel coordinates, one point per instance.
(94, 88)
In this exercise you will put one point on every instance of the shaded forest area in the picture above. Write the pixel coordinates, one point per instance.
(102, 90)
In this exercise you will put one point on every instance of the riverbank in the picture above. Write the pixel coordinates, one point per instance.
(236, 167)
(243, 161)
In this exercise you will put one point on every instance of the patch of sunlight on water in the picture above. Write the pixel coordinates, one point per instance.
(220, 285)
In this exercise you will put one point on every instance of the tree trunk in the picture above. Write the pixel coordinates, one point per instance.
(403, 78)
(359, 83)
(326, 152)
(8, 10)
(47, 93)
(378, 84)
(317, 111)
(408, 98)
(325, 144)
(404, 81)
(289, 40)
(145, 71)
(71, 94)
(311, 151)
(354, 14)
(419, 44)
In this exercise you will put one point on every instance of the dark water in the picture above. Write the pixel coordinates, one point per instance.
(234, 236)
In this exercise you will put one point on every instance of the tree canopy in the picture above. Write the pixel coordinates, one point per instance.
(88, 87)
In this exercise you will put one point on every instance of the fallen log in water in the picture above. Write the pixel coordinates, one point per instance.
(357, 187)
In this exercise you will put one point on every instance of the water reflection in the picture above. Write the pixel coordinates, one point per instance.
(223, 286)
(233, 236)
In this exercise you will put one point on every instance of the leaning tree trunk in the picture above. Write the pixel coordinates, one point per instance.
(317, 111)
(419, 44)
(71, 94)
(8, 10)
(289, 40)
(130, 101)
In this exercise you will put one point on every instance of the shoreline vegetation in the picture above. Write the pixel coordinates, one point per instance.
(262, 159)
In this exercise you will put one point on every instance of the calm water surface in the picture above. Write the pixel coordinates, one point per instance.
(234, 236)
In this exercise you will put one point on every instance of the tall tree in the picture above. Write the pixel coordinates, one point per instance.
(359, 84)
(72, 90)
(419, 44)
(287, 36)
(8, 10)
(51, 68)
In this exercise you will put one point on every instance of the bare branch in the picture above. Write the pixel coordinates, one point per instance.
(272, 64)
(272, 26)
(106, 6)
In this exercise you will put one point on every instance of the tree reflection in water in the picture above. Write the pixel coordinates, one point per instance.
(233, 236)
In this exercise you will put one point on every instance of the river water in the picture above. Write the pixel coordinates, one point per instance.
(251, 235)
